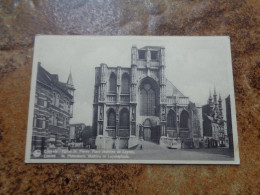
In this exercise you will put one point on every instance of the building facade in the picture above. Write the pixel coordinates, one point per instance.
(229, 122)
(53, 109)
(139, 102)
(213, 122)
(82, 134)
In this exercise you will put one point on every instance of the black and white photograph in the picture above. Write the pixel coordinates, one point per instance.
(132, 99)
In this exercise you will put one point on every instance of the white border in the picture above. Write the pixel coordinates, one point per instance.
(236, 160)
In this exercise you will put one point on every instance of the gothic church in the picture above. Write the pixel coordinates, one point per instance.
(139, 103)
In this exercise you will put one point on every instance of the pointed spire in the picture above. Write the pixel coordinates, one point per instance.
(70, 81)
(220, 107)
(210, 98)
(215, 96)
(219, 99)
(70, 86)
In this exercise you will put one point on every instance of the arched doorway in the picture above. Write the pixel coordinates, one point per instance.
(147, 130)
(151, 131)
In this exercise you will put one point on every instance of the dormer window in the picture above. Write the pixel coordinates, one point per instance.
(154, 55)
(141, 54)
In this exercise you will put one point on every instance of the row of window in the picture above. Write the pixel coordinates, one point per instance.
(61, 103)
(143, 53)
(123, 119)
(42, 121)
(184, 119)
(41, 101)
(56, 100)
(58, 120)
(125, 83)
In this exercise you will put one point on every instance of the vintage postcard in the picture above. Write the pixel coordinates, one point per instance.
(132, 99)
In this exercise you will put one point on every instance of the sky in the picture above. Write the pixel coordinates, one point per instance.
(193, 64)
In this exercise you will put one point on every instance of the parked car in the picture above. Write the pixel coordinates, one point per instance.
(174, 144)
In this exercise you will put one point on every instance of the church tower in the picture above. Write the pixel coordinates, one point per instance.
(215, 103)
(220, 114)
(210, 101)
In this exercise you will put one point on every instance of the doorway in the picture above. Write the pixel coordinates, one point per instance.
(147, 133)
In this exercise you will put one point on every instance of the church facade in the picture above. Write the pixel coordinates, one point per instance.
(139, 103)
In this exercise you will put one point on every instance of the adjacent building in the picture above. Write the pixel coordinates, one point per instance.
(229, 122)
(139, 102)
(213, 122)
(53, 109)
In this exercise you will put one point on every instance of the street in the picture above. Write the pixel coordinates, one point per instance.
(148, 151)
(151, 151)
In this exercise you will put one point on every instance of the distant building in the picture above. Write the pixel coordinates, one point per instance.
(229, 122)
(53, 109)
(76, 132)
(139, 102)
(213, 122)
(80, 133)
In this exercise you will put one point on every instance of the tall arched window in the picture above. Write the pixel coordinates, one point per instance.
(184, 119)
(125, 87)
(147, 100)
(112, 83)
(124, 119)
(111, 122)
(171, 119)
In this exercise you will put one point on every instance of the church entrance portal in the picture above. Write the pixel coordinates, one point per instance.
(151, 133)
(147, 133)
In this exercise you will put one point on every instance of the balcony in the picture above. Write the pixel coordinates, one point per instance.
(111, 98)
(180, 100)
(171, 100)
(183, 100)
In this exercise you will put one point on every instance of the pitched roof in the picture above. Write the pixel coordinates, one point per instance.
(171, 90)
(49, 79)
